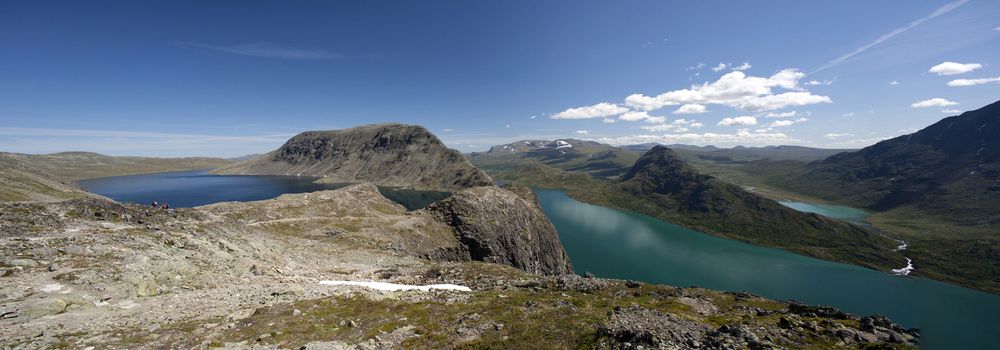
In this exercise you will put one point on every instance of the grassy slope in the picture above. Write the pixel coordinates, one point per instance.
(21, 182)
(603, 192)
(967, 255)
(85, 165)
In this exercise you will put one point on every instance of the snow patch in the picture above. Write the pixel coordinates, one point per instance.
(51, 288)
(396, 287)
(906, 270)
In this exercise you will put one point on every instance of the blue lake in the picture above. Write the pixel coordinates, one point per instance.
(849, 214)
(185, 189)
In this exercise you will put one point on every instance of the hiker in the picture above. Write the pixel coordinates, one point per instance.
(165, 206)
(155, 204)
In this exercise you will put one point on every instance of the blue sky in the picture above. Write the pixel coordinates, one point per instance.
(219, 78)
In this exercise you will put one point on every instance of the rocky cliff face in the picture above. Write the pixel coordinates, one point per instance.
(499, 226)
(387, 154)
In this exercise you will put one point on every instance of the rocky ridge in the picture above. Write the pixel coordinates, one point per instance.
(384, 154)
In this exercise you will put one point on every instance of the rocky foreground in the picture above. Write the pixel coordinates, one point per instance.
(94, 273)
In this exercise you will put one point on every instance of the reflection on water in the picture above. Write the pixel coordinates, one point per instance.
(620, 244)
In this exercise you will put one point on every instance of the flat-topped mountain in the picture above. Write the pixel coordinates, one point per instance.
(950, 169)
(384, 154)
(84, 165)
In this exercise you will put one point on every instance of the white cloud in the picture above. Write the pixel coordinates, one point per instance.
(952, 68)
(608, 120)
(741, 137)
(656, 120)
(448, 130)
(787, 122)
(744, 120)
(532, 117)
(940, 11)
(893, 83)
(848, 115)
(971, 82)
(662, 127)
(744, 66)
(934, 102)
(679, 125)
(788, 114)
(691, 123)
(836, 136)
(508, 126)
(736, 89)
(779, 101)
(819, 82)
(634, 116)
(692, 108)
(599, 110)
(719, 67)
(951, 111)
(583, 132)
(697, 66)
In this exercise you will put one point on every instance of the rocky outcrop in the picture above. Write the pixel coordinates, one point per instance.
(496, 225)
(385, 154)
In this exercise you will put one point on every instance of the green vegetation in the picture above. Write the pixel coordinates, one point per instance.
(544, 317)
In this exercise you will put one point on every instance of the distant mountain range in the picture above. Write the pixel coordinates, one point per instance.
(950, 169)
(597, 159)
(385, 154)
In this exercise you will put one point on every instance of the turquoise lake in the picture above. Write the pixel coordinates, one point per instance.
(619, 244)
(849, 214)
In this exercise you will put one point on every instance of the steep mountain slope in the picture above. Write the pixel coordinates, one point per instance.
(597, 159)
(950, 169)
(85, 165)
(386, 154)
(21, 181)
(702, 201)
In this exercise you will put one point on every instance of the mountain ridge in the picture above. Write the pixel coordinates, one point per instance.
(384, 154)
